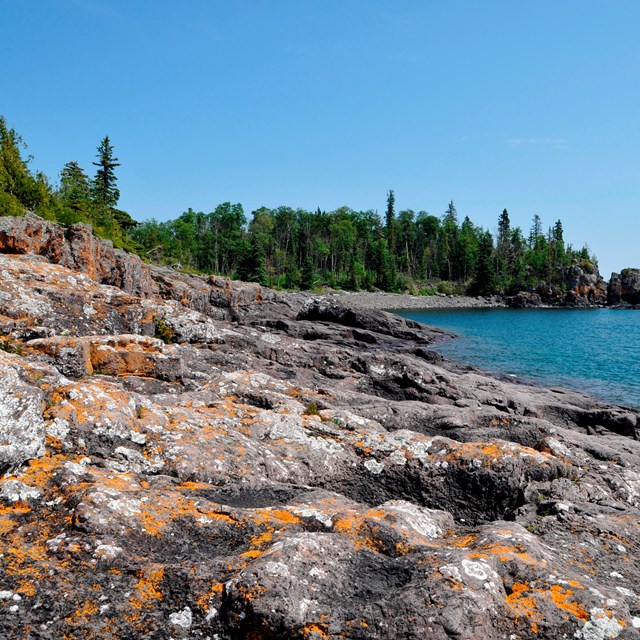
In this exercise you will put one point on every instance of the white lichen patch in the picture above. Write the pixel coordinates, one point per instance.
(425, 522)
(58, 429)
(373, 466)
(277, 569)
(477, 569)
(451, 571)
(22, 428)
(182, 618)
(107, 551)
(309, 512)
(14, 490)
(599, 627)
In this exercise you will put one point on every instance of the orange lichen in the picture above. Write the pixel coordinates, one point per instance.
(261, 539)
(148, 587)
(313, 628)
(285, 516)
(560, 598)
(252, 592)
(359, 529)
(80, 615)
(214, 593)
(462, 541)
(524, 605)
(27, 588)
(403, 549)
(506, 553)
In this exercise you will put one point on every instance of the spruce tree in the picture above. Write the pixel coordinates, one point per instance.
(308, 275)
(75, 192)
(391, 221)
(105, 192)
(484, 282)
(503, 250)
(535, 232)
(253, 265)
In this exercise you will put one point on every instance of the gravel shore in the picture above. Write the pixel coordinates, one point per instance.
(380, 300)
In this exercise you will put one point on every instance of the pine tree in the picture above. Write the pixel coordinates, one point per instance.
(558, 243)
(503, 250)
(391, 221)
(451, 214)
(75, 192)
(308, 275)
(484, 282)
(450, 249)
(105, 192)
(253, 265)
(535, 232)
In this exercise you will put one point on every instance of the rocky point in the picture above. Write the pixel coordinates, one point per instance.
(191, 457)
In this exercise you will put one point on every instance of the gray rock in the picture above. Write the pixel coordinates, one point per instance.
(624, 287)
(22, 429)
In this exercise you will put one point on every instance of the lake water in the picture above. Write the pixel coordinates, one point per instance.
(596, 351)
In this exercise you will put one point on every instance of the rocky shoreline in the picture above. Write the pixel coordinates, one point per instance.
(387, 301)
(190, 457)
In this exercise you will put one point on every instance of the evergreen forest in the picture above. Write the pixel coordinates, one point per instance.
(291, 248)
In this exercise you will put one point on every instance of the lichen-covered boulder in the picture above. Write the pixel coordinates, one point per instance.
(22, 428)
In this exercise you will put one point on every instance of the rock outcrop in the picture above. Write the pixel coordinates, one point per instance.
(190, 457)
(624, 288)
(582, 286)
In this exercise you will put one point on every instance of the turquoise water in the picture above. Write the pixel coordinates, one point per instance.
(596, 351)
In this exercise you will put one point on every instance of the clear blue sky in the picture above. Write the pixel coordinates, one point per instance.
(532, 106)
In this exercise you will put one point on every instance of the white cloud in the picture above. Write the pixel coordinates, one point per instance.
(558, 143)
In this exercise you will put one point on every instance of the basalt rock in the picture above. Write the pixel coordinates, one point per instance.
(77, 248)
(580, 287)
(624, 288)
(216, 460)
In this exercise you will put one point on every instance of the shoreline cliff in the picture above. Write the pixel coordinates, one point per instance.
(192, 457)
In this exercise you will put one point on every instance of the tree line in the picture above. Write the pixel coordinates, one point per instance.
(296, 248)
(348, 249)
(76, 197)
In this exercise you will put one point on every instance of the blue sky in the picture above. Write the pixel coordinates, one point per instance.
(530, 106)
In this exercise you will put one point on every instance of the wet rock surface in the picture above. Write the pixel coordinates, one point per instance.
(209, 459)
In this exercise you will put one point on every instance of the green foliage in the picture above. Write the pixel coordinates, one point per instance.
(308, 275)
(312, 409)
(20, 189)
(451, 288)
(76, 199)
(295, 248)
(105, 191)
(484, 280)
(9, 346)
(253, 266)
(163, 330)
(75, 193)
(390, 220)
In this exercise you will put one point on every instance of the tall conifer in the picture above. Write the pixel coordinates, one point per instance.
(105, 191)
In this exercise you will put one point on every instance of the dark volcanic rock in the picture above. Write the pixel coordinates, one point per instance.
(581, 287)
(287, 468)
(524, 299)
(624, 288)
(78, 249)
